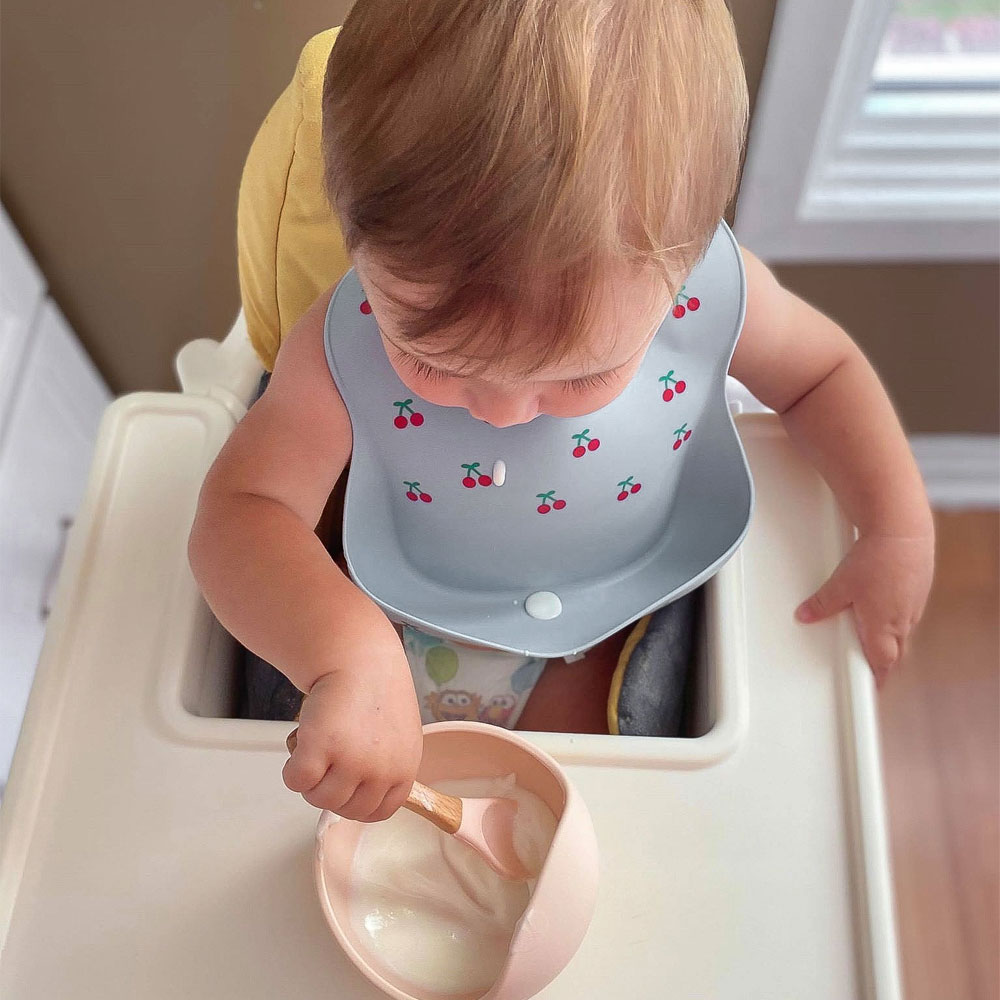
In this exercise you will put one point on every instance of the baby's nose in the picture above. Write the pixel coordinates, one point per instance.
(503, 409)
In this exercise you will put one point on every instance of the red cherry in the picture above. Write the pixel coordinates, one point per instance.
(686, 436)
(417, 419)
(366, 308)
(637, 487)
(594, 445)
(623, 495)
(681, 386)
(693, 303)
(410, 495)
(679, 311)
(485, 481)
(579, 451)
(677, 444)
(401, 421)
(469, 483)
(426, 497)
(544, 509)
(559, 504)
(668, 394)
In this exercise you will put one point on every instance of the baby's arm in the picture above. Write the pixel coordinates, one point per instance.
(271, 582)
(800, 363)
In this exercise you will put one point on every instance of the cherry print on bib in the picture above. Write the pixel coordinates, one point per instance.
(549, 502)
(415, 493)
(366, 308)
(407, 415)
(682, 434)
(671, 386)
(627, 487)
(474, 477)
(584, 443)
(690, 302)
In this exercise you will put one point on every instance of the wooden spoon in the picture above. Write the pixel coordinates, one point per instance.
(485, 824)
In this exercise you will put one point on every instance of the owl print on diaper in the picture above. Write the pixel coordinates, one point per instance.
(498, 709)
(453, 706)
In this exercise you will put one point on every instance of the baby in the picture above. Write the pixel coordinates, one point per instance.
(523, 186)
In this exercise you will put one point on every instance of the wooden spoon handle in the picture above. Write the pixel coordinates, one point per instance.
(444, 811)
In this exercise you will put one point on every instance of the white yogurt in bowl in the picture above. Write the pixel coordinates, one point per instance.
(428, 908)
(424, 918)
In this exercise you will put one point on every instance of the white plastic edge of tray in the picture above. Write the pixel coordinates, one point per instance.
(219, 404)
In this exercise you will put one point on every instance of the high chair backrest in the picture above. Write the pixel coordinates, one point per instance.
(290, 246)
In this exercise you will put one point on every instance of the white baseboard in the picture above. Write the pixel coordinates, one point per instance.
(959, 470)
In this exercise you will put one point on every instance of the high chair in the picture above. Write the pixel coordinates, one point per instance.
(148, 847)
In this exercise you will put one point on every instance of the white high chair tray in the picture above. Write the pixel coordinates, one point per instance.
(147, 851)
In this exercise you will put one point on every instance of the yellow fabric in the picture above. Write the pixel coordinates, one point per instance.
(619, 675)
(289, 243)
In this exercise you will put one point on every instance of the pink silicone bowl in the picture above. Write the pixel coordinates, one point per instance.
(556, 920)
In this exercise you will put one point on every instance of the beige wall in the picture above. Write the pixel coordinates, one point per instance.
(124, 126)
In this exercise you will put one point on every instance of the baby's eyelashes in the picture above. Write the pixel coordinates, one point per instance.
(425, 371)
(582, 385)
(579, 385)
(587, 382)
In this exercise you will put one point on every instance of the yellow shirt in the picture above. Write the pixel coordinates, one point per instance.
(289, 242)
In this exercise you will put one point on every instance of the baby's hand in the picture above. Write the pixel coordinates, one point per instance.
(359, 740)
(884, 579)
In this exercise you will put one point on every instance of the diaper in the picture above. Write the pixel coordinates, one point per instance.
(462, 683)
(649, 693)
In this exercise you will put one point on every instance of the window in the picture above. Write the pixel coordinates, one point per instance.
(877, 133)
(940, 44)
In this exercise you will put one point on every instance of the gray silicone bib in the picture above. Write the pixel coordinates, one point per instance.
(599, 519)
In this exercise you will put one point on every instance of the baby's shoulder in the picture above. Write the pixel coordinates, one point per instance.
(301, 366)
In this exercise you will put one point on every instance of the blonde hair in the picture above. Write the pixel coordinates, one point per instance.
(505, 151)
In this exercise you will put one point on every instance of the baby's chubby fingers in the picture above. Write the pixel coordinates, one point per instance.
(343, 793)
(307, 765)
(354, 789)
(833, 597)
(332, 784)
(369, 802)
(393, 800)
(883, 645)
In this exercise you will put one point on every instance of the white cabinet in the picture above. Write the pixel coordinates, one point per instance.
(51, 400)
(22, 290)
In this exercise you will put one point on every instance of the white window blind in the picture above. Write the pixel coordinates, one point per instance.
(877, 133)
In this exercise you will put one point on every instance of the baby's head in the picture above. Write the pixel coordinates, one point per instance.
(525, 184)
